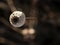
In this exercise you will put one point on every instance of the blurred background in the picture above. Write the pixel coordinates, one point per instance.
(42, 25)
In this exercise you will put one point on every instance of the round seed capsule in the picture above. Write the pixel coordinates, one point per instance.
(17, 19)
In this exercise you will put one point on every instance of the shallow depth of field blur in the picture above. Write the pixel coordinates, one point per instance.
(42, 25)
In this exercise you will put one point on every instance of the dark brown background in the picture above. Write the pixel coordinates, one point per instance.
(46, 22)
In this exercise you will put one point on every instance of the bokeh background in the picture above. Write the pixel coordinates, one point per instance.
(43, 16)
